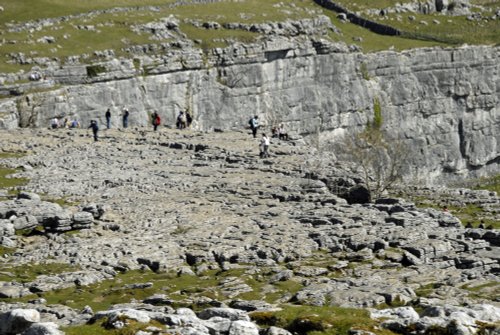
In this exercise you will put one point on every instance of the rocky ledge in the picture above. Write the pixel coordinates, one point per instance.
(191, 202)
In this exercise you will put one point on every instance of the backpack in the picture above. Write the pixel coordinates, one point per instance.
(250, 122)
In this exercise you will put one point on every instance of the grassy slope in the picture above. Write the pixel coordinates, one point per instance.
(114, 30)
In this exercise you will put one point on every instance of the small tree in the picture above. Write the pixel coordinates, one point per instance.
(381, 159)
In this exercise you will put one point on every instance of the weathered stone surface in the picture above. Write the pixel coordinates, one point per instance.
(43, 328)
(18, 320)
(212, 204)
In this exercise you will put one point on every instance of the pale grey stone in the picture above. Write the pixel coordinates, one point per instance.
(18, 320)
(43, 328)
(240, 327)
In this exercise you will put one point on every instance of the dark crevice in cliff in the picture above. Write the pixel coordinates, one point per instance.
(461, 136)
(275, 55)
(495, 160)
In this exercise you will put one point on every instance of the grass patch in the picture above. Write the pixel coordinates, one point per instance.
(113, 31)
(470, 214)
(474, 215)
(313, 320)
(7, 182)
(29, 232)
(7, 155)
(449, 30)
(19, 11)
(180, 289)
(372, 42)
(426, 290)
(488, 290)
(101, 296)
(63, 202)
(219, 38)
(30, 272)
(5, 251)
(490, 184)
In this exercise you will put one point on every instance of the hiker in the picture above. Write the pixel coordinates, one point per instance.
(275, 132)
(74, 124)
(254, 125)
(125, 117)
(95, 128)
(54, 123)
(282, 134)
(189, 119)
(65, 123)
(181, 120)
(156, 120)
(264, 146)
(108, 119)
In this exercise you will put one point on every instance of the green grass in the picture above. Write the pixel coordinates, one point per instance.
(468, 214)
(19, 11)
(5, 251)
(219, 38)
(9, 182)
(114, 29)
(490, 184)
(371, 42)
(450, 30)
(474, 215)
(29, 272)
(426, 290)
(179, 289)
(489, 290)
(102, 295)
(313, 320)
(7, 155)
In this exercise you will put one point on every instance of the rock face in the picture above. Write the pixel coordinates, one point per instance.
(442, 103)
(28, 212)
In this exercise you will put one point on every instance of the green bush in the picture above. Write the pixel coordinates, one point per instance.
(95, 70)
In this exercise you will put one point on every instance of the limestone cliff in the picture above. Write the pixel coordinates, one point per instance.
(442, 102)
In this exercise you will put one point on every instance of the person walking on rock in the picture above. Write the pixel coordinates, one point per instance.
(264, 146)
(54, 123)
(254, 125)
(125, 117)
(181, 120)
(108, 118)
(95, 129)
(156, 120)
(282, 134)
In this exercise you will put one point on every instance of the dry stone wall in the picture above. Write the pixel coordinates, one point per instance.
(443, 103)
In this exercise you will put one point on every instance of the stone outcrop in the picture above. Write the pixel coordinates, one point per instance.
(28, 212)
(442, 103)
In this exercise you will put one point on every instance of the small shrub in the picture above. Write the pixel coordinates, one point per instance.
(95, 70)
(364, 71)
(377, 114)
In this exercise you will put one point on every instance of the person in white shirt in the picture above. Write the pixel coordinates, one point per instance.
(264, 146)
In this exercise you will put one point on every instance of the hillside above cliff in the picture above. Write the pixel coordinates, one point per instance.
(34, 33)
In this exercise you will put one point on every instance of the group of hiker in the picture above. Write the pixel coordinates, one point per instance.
(66, 123)
(277, 132)
(183, 120)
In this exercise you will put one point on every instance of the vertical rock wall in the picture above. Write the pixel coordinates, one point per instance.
(444, 103)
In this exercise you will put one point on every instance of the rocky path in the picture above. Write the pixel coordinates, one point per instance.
(172, 199)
